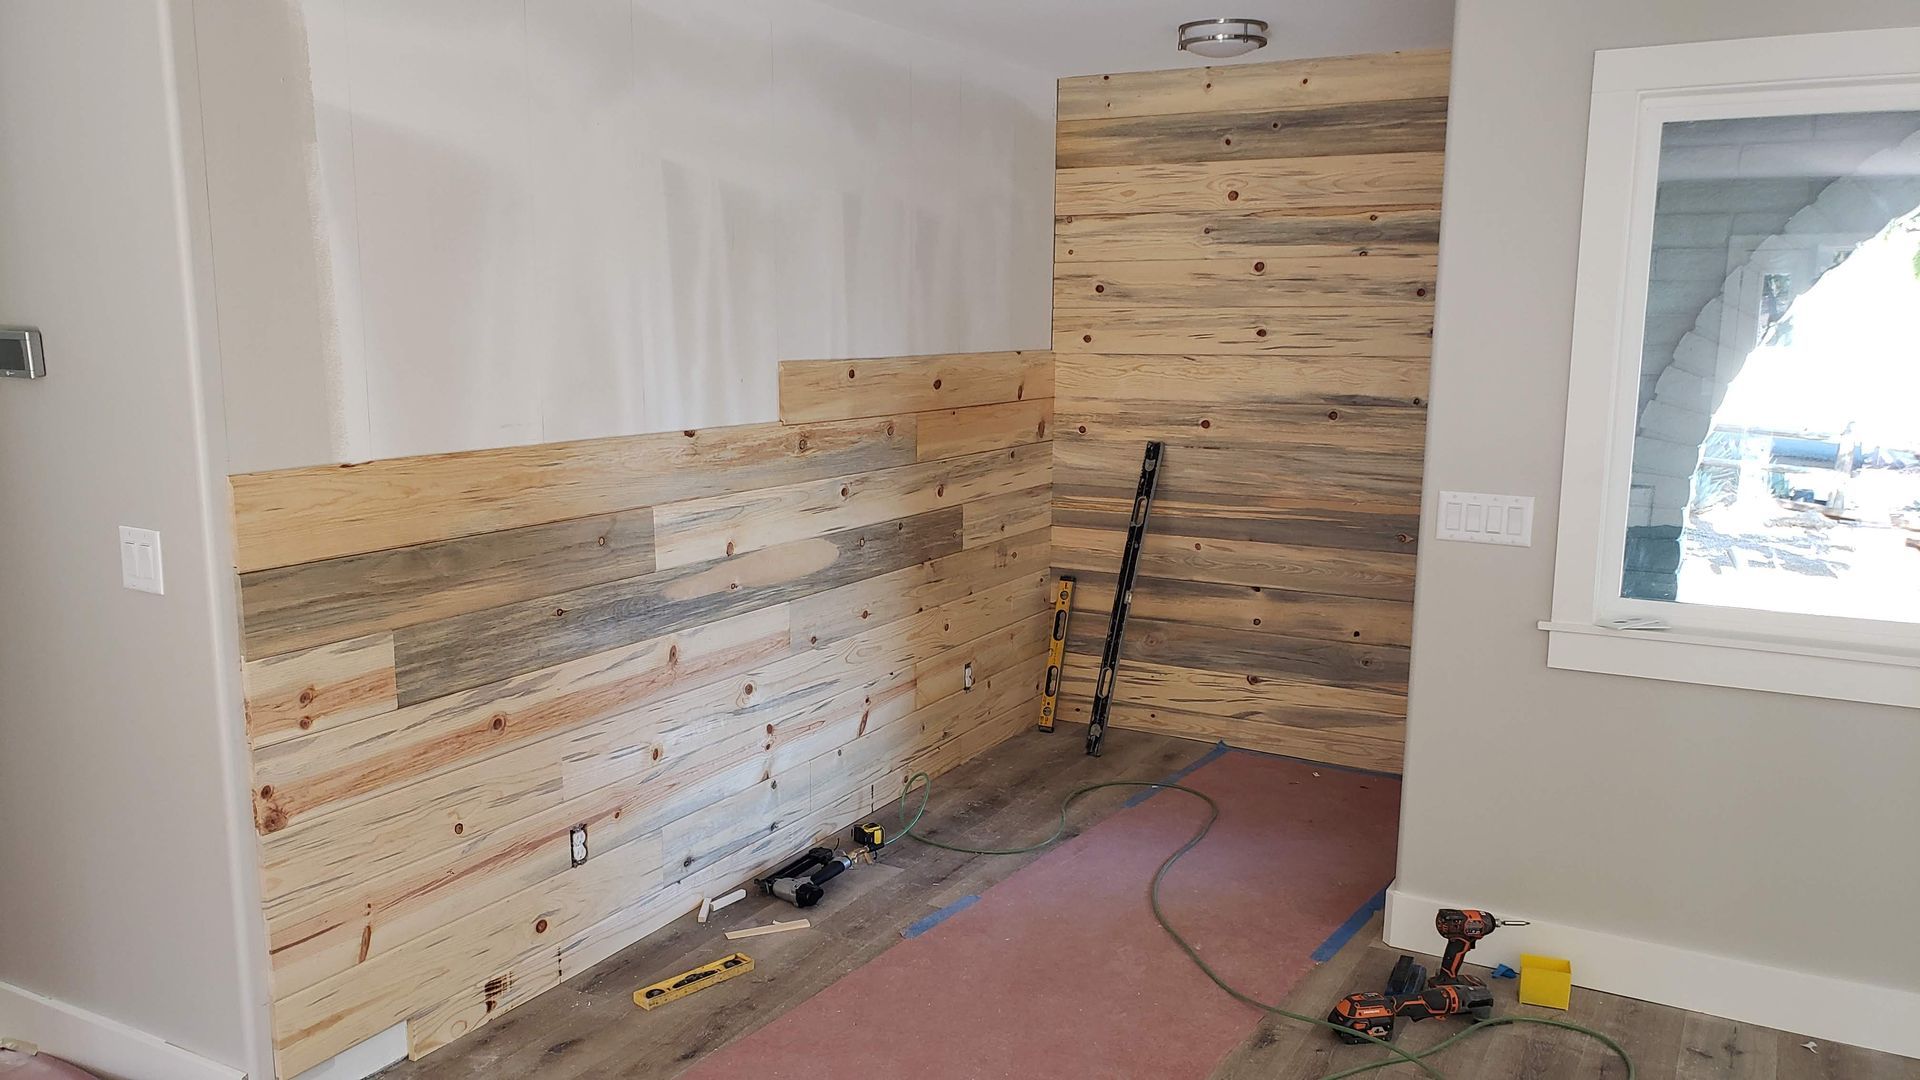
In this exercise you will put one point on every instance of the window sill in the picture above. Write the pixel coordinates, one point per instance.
(1773, 666)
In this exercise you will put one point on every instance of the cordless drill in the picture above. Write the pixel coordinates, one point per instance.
(1408, 993)
(1463, 929)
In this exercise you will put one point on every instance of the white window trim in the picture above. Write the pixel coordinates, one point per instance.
(1634, 92)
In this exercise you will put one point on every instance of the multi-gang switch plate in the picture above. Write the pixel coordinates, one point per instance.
(1484, 519)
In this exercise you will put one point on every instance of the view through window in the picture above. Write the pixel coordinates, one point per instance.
(1776, 455)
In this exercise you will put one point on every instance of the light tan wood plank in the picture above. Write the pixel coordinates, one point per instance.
(1271, 235)
(1144, 681)
(996, 518)
(957, 432)
(1399, 331)
(316, 689)
(1252, 607)
(1209, 380)
(1405, 126)
(1351, 281)
(1338, 747)
(1238, 562)
(1240, 87)
(717, 528)
(1299, 476)
(1227, 425)
(853, 609)
(817, 390)
(1250, 654)
(1313, 521)
(1357, 180)
(304, 515)
(297, 607)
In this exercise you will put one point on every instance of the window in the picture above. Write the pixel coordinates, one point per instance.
(1741, 498)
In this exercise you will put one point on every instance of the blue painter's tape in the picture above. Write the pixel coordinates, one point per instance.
(926, 923)
(1355, 921)
(1220, 749)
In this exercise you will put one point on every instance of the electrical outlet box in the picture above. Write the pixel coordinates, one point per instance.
(1484, 519)
(577, 837)
(966, 677)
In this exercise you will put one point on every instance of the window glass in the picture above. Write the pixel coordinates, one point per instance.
(1776, 461)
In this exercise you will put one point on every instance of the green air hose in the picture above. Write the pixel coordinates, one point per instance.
(1153, 900)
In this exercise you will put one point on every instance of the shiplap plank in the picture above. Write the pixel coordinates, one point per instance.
(997, 517)
(1189, 379)
(1266, 426)
(1297, 476)
(1309, 522)
(1338, 747)
(1404, 331)
(305, 515)
(1352, 281)
(1376, 575)
(817, 390)
(439, 658)
(1240, 87)
(953, 433)
(1285, 612)
(1146, 682)
(305, 776)
(1250, 654)
(1350, 180)
(312, 690)
(1403, 126)
(297, 607)
(829, 616)
(706, 530)
(1271, 235)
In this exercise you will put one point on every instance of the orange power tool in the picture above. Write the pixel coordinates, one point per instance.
(1463, 930)
(1408, 993)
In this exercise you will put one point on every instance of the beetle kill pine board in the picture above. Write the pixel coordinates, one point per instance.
(1244, 270)
(709, 648)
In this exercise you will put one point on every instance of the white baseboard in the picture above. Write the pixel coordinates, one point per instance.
(1819, 1006)
(98, 1044)
(364, 1059)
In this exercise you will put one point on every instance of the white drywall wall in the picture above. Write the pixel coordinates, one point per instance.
(1765, 828)
(594, 217)
(125, 896)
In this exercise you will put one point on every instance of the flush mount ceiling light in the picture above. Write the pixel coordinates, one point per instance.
(1218, 39)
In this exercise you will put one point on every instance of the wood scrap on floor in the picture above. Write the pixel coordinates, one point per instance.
(769, 928)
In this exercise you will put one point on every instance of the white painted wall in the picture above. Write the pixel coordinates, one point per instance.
(1775, 830)
(127, 914)
(546, 221)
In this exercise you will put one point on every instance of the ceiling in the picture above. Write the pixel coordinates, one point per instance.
(1088, 37)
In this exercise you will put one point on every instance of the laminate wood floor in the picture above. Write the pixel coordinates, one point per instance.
(589, 1027)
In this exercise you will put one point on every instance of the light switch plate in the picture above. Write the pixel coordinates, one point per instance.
(141, 568)
(1484, 519)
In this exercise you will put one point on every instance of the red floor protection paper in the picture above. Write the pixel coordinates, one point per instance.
(1060, 971)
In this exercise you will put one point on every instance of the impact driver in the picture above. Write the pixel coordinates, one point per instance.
(1408, 993)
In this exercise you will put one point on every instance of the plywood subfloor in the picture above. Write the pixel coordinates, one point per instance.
(589, 1028)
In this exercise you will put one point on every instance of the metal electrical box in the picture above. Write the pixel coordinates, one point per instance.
(20, 355)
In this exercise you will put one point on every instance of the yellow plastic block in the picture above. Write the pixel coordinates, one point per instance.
(1545, 980)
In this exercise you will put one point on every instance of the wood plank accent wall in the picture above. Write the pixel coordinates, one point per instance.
(709, 647)
(1244, 268)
